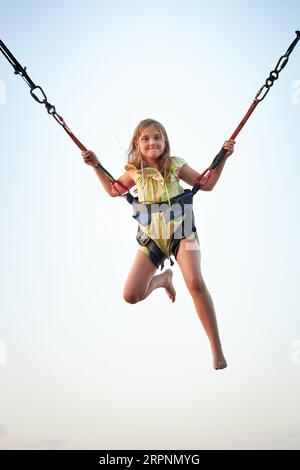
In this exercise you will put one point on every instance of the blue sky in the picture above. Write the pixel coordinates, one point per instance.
(78, 363)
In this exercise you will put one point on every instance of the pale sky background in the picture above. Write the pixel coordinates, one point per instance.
(80, 368)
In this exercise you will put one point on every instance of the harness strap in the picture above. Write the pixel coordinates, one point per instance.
(156, 255)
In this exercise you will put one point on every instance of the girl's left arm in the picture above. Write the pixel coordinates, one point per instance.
(189, 175)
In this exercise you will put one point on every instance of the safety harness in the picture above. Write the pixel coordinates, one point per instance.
(181, 203)
(178, 206)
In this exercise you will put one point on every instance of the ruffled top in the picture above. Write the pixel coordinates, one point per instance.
(156, 189)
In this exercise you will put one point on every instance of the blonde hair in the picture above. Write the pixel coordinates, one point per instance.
(134, 153)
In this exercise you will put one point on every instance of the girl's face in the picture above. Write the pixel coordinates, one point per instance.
(151, 143)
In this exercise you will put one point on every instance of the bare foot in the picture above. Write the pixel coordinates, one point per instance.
(168, 285)
(219, 361)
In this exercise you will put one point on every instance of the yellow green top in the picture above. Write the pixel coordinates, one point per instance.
(156, 191)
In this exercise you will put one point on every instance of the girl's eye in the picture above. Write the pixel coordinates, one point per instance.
(146, 138)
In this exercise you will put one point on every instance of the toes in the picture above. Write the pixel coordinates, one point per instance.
(220, 365)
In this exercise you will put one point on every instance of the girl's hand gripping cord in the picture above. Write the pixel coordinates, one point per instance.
(90, 158)
(229, 146)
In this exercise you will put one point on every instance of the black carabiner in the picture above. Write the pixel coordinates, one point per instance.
(44, 100)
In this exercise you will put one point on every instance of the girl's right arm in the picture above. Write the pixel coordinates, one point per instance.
(90, 158)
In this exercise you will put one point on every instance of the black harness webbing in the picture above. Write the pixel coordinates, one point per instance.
(178, 206)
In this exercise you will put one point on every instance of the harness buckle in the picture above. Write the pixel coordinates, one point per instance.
(143, 239)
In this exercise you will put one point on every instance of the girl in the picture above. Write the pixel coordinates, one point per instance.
(156, 175)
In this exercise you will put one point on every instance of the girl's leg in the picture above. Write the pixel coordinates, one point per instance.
(141, 280)
(189, 263)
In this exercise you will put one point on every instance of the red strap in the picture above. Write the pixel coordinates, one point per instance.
(205, 175)
(73, 137)
(120, 184)
(244, 120)
(83, 148)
